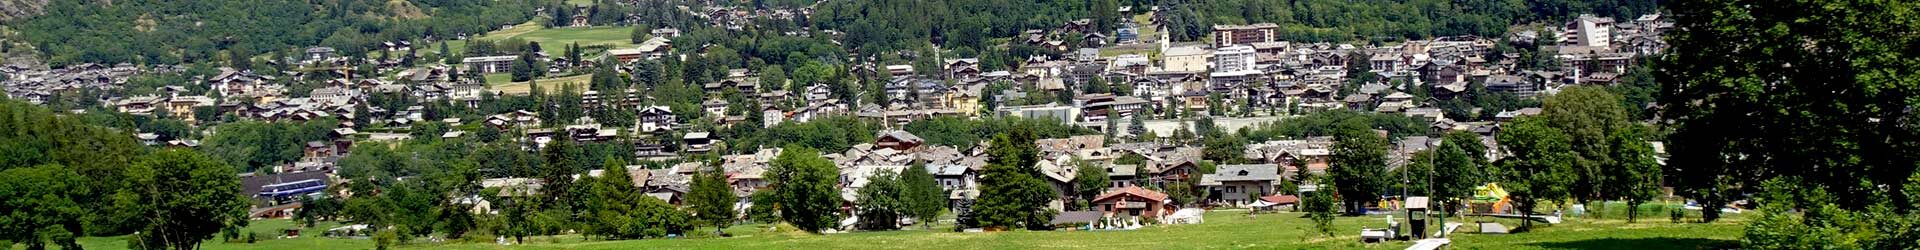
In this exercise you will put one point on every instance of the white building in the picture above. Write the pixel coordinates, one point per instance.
(1185, 59)
(1589, 30)
(490, 64)
(1234, 58)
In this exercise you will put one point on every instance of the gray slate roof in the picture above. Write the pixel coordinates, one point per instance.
(1247, 172)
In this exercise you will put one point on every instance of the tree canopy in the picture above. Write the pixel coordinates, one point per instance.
(1358, 166)
(1540, 168)
(185, 198)
(1812, 110)
(1012, 191)
(170, 32)
(804, 187)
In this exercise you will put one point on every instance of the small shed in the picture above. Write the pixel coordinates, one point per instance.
(1417, 216)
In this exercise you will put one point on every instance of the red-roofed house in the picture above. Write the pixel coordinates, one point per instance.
(1132, 201)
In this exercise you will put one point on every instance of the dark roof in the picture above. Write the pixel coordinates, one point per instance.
(1250, 172)
(250, 185)
(1070, 217)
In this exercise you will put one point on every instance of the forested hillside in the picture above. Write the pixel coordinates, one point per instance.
(168, 32)
(967, 23)
(33, 137)
(10, 9)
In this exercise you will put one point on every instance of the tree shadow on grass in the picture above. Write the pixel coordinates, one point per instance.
(1642, 243)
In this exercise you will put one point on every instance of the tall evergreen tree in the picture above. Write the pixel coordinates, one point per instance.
(446, 54)
(558, 171)
(925, 197)
(712, 199)
(1012, 193)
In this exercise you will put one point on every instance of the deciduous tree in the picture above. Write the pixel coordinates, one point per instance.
(805, 186)
(1540, 167)
(1358, 165)
(188, 197)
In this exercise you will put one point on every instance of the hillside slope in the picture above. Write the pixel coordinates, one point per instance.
(12, 9)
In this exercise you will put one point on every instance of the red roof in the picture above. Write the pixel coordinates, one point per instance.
(1133, 191)
(1281, 199)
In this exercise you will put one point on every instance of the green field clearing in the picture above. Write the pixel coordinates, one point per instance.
(553, 41)
(1151, 51)
(548, 84)
(1223, 229)
(499, 78)
(1148, 31)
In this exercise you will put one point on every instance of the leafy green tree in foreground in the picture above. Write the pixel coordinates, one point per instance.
(1459, 165)
(765, 209)
(1588, 116)
(1819, 104)
(1359, 164)
(1634, 175)
(882, 201)
(804, 185)
(1540, 168)
(187, 197)
(1320, 206)
(1090, 181)
(1827, 96)
(41, 207)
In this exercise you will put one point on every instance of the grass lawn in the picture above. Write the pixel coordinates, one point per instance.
(499, 78)
(1152, 51)
(500, 82)
(268, 230)
(1223, 229)
(554, 40)
(1148, 31)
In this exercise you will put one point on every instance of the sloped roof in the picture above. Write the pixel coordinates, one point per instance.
(1247, 172)
(1132, 191)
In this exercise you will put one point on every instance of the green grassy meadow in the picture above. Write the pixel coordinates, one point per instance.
(549, 84)
(1222, 230)
(552, 40)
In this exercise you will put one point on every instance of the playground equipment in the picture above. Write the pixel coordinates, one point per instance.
(1490, 199)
